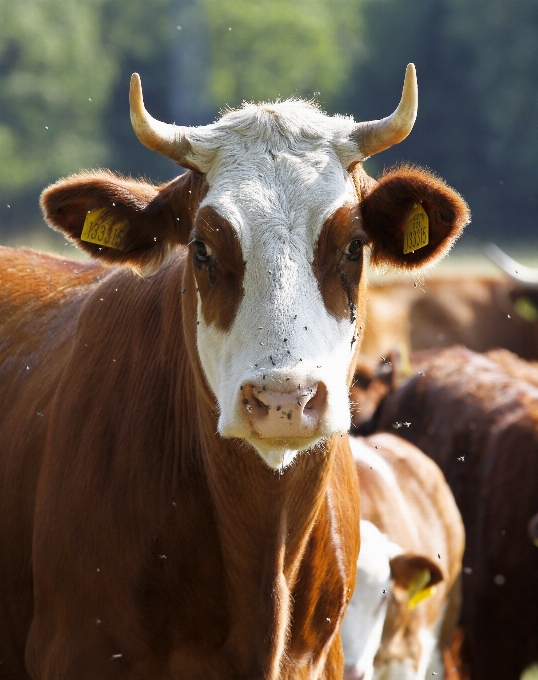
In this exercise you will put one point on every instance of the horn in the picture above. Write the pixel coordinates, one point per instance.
(169, 140)
(377, 135)
(517, 272)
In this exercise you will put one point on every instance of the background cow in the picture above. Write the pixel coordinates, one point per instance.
(177, 494)
(477, 417)
(480, 312)
(407, 597)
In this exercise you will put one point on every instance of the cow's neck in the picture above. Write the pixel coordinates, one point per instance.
(264, 520)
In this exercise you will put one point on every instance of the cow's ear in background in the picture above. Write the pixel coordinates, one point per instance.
(412, 218)
(417, 574)
(122, 221)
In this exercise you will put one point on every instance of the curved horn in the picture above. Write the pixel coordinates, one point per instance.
(168, 140)
(377, 135)
(517, 272)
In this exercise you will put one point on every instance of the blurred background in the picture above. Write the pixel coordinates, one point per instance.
(65, 68)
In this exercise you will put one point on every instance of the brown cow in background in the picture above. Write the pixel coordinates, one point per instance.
(480, 312)
(476, 416)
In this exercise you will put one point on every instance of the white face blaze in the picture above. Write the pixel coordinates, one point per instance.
(276, 178)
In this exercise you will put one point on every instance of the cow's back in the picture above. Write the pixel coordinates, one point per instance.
(40, 297)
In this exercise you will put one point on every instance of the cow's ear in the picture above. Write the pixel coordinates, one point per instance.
(123, 221)
(417, 574)
(412, 218)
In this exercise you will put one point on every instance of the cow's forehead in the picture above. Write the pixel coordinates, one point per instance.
(283, 169)
(285, 192)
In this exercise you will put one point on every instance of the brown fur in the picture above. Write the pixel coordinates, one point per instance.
(257, 565)
(159, 218)
(386, 207)
(220, 281)
(465, 405)
(338, 275)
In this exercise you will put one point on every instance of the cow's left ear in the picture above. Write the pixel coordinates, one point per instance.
(417, 574)
(412, 218)
(122, 221)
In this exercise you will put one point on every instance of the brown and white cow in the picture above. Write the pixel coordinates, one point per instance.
(177, 494)
(407, 597)
(477, 417)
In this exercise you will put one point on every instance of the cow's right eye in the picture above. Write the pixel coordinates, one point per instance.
(354, 249)
(202, 252)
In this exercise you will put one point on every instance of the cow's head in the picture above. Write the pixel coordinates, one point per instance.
(277, 213)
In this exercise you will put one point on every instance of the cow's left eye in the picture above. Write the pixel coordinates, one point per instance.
(353, 249)
(202, 251)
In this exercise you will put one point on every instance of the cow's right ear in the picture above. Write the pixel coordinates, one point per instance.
(417, 574)
(123, 221)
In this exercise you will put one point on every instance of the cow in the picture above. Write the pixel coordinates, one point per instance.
(177, 494)
(407, 597)
(477, 418)
(482, 312)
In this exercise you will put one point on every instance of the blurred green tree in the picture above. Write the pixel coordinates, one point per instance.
(55, 79)
(64, 82)
(265, 49)
(477, 65)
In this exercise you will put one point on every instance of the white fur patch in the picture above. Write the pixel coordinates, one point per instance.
(276, 173)
(364, 619)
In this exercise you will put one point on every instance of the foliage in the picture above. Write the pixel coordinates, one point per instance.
(55, 79)
(267, 49)
(65, 69)
(477, 66)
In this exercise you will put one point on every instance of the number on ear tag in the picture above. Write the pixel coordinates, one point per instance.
(103, 231)
(416, 230)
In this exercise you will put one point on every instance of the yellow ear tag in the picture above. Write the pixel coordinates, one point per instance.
(416, 230)
(103, 230)
(422, 595)
(536, 542)
(417, 590)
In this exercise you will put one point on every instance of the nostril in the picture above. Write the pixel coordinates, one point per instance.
(255, 406)
(260, 403)
(318, 398)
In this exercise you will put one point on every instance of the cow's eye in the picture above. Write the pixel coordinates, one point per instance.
(202, 252)
(353, 249)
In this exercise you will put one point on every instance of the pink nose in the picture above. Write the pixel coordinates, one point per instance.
(284, 414)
